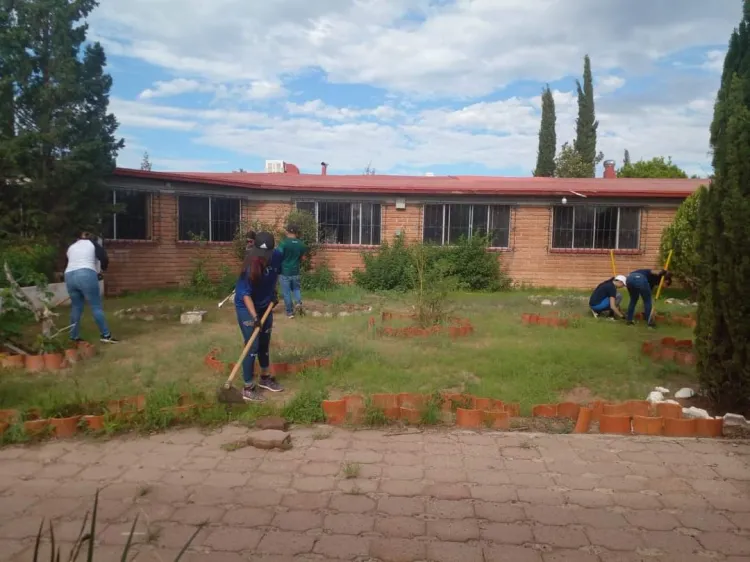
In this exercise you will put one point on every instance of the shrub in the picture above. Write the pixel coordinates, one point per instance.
(473, 267)
(390, 268)
(30, 262)
(319, 279)
(680, 236)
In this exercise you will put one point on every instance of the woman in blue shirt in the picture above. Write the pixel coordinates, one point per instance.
(254, 293)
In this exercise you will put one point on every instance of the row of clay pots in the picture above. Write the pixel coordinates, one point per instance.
(212, 361)
(568, 410)
(49, 361)
(61, 428)
(685, 321)
(669, 427)
(539, 320)
(661, 353)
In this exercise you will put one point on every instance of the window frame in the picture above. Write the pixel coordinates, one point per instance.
(445, 226)
(593, 249)
(316, 214)
(148, 216)
(211, 199)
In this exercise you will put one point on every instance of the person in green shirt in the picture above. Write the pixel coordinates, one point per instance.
(292, 250)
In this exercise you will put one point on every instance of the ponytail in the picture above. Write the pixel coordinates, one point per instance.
(253, 267)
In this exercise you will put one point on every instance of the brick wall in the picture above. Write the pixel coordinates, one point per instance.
(165, 262)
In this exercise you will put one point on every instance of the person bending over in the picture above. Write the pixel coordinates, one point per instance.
(640, 283)
(605, 300)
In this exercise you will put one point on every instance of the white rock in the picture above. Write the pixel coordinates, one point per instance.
(693, 412)
(192, 317)
(317, 313)
(546, 302)
(684, 393)
(669, 301)
(671, 402)
(662, 390)
(735, 419)
(655, 397)
(344, 313)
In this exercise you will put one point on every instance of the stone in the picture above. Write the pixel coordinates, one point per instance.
(684, 393)
(655, 397)
(693, 412)
(735, 420)
(192, 317)
(546, 302)
(270, 439)
(272, 422)
(661, 389)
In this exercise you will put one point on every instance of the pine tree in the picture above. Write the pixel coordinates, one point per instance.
(56, 132)
(626, 158)
(586, 124)
(545, 159)
(723, 238)
(146, 163)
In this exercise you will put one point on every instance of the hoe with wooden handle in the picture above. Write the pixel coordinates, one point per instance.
(226, 393)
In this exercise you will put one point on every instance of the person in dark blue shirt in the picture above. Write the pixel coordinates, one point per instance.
(605, 300)
(255, 291)
(640, 283)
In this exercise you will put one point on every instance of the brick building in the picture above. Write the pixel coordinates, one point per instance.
(545, 231)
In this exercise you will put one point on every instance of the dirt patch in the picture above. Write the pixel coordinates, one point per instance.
(542, 425)
(579, 395)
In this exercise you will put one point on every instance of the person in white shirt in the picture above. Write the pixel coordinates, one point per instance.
(82, 282)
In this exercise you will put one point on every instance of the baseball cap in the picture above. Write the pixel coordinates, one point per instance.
(622, 279)
(264, 245)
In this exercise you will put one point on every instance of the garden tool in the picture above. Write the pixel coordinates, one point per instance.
(222, 303)
(227, 393)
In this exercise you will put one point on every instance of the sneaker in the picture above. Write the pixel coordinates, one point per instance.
(251, 394)
(269, 383)
(652, 326)
(299, 310)
(631, 323)
(108, 339)
(290, 316)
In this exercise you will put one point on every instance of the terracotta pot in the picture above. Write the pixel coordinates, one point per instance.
(468, 418)
(667, 410)
(325, 362)
(87, 351)
(498, 406)
(497, 419)
(614, 424)
(668, 353)
(335, 411)
(388, 403)
(563, 323)
(184, 410)
(544, 411)
(584, 420)
(684, 344)
(71, 356)
(542, 321)
(448, 398)
(35, 427)
(310, 364)
(94, 423)
(411, 400)
(293, 369)
(386, 316)
(64, 428)
(137, 403)
(691, 323)
(674, 427)
(638, 407)
(513, 409)
(481, 403)
(620, 409)
(13, 361)
(8, 415)
(685, 358)
(3, 427)
(534, 319)
(526, 318)
(568, 410)
(114, 406)
(709, 427)
(279, 368)
(644, 425)
(409, 415)
(669, 342)
(34, 363)
(597, 407)
(53, 361)
(647, 348)
(355, 408)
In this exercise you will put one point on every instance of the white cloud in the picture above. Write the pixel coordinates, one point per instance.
(714, 61)
(265, 89)
(316, 108)
(170, 88)
(608, 84)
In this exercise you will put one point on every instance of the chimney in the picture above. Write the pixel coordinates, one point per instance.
(609, 170)
(323, 169)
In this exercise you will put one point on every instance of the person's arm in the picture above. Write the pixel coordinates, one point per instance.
(613, 306)
(250, 306)
(101, 255)
(244, 290)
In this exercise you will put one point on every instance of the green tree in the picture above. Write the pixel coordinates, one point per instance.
(626, 158)
(586, 123)
(723, 238)
(57, 140)
(680, 237)
(545, 158)
(657, 167)
(570, 163)
(146, 163)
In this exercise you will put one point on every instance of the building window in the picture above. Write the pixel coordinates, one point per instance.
(446, 224)
(130, 221)
(588, 227)
(345, 223)
(213, 219)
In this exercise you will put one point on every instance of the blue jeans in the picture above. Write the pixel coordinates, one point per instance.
(83, 287)
(290, 288)
(604, 305)
(638, 286)
(260, 346)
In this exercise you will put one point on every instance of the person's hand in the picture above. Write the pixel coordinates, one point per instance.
(257, 324)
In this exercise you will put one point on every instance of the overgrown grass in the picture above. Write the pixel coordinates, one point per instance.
(503, 359)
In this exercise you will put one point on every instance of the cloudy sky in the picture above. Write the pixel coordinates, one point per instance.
(407, 86)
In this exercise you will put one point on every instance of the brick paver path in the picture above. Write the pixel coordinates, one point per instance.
(422, 496)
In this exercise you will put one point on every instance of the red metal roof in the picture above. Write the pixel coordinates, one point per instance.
(432, 185)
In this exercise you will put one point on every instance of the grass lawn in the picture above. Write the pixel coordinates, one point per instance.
(503, 359)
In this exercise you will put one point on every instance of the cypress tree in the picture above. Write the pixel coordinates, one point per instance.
(626, 158)
(723, 238)
(545, 156)
(586, 124)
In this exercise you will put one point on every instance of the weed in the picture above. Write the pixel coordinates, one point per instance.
(374, 417)
(432, 412)
(234, 445)
(351, 470)
(355, 491)
(321, 434)
(306, 407)
(144, 490)
(153, 532)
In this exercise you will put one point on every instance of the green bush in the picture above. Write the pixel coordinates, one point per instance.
(390, 268)
(473, 267)
(680, 236)
(319, 279)
(29, 262)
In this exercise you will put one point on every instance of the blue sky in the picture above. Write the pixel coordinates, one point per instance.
(406, 86)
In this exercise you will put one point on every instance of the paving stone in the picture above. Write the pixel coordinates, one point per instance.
(398, 472)
(454, 552)
(447, 491)
(507, 533)
(306, 500)
(450, 509)
(615, 539)
(551, 515)
(401, 506)
(177, 536)
(248, 517)
(652, 520)
(400, 527)
(10, 547)
(726, 543)
(670, 541)
(494, 493)
(282, 542)
(499, 512)
(509, 553)
(405, 488)
(342, 547)
(198, 514)
(562, 537)
(704, 521)
(589, 499)
(485, 477)
(313, 483)
(397, 550)
(298, 520)
(352, 504)
(451, 475)
(459, 530)
(233, 539)
(532, 480)
(541, 496)
(566, 555)
(636, 500)
(349, 523)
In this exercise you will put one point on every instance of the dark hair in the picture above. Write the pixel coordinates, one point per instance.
(292, 229)
(250, 235)
(253, 267)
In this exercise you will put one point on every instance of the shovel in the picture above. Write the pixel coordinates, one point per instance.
(226, 393)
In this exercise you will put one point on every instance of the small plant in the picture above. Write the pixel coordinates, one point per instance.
(143, 490)
(321, 434)
(431, 413)
(199, 283)
(464, 402)
(351, 470)
(49, 344)
(374, 416)
(319, 279)
(306, 406)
